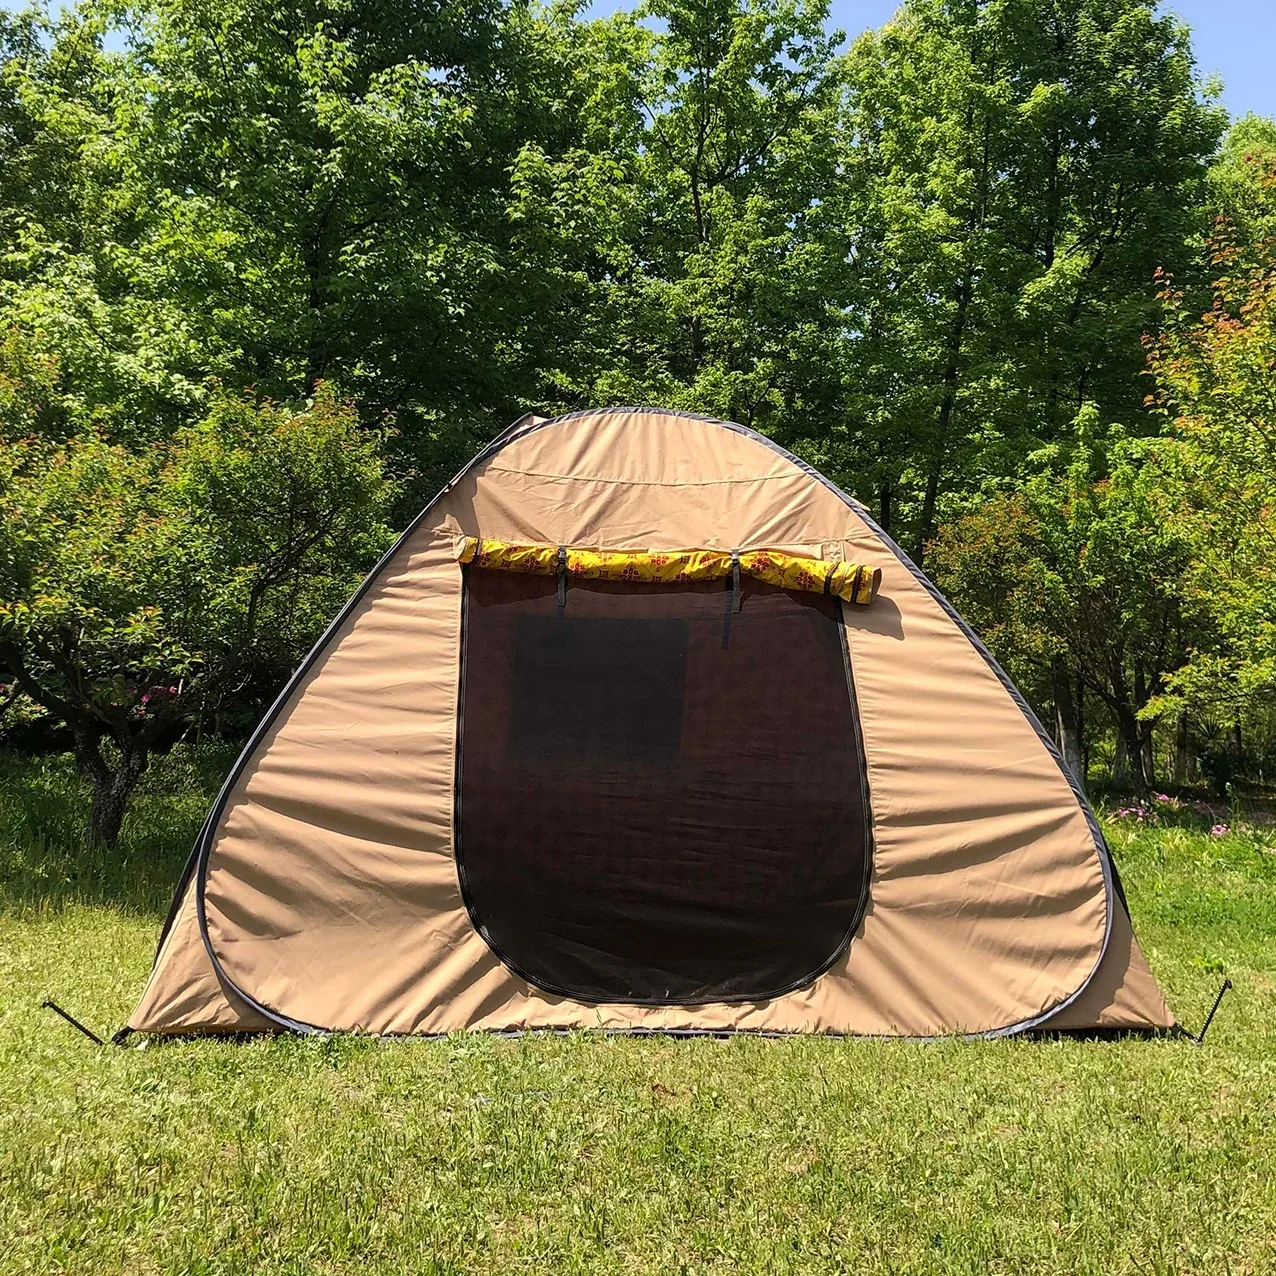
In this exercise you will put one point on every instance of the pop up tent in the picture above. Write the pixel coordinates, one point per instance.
(643, 725)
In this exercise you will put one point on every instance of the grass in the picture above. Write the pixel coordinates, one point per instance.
(586, 1153)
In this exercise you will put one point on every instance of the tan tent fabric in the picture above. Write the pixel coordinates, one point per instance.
(1123, 994)
(184, 989)
(329, 882)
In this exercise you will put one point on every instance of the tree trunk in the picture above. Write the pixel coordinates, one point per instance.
(954, 343)
(1131, 737)
(1081, 728)
(1146, 756)
(316, 304)
(1067, 721)
(884, 495)
(1181, 771)
(112, 787)
(926, 525)
(944, 422)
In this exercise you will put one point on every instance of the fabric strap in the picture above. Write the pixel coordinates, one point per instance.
(733, 600)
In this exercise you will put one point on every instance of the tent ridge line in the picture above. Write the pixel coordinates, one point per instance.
(647, 410)
(197, 865)
(620, 482)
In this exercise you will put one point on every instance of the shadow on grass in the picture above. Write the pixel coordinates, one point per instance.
(43, 808)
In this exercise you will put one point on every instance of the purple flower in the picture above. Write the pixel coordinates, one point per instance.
(1130, 812)
(1220, 830)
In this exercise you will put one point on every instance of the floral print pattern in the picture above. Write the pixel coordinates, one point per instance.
(852, 582)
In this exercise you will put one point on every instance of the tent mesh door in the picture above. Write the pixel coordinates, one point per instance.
(645, 815)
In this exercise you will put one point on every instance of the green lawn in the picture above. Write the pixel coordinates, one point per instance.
(585, 1153)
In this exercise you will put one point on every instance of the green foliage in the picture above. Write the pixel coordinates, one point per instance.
(720, 260)
(31, 400)
(1214, 381)
(138, 586)
(277, 196)
(911, 263)
(1018, 172)
(1186, 606)
(75, 280)
(1240, 180)
(918, 263)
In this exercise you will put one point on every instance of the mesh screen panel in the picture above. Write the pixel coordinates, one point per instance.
(644, 815)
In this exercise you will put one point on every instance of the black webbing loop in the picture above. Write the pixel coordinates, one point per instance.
(733, 599)
(562, 579)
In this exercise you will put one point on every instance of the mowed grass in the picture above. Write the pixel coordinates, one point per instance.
(589, 1153)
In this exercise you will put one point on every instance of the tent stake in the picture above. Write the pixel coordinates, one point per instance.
(1209, 1019)
(73, 1021)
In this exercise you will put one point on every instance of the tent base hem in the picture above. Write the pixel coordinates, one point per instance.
(1043, 1034)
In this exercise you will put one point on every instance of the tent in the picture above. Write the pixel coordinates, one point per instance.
(643, 725)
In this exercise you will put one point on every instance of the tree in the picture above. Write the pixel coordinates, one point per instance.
(137, 586)
(1240, 180)
(1075, 584)
(72, 280)
(715, 289)
(1018, 170)
(274, 196)
(1215, 382)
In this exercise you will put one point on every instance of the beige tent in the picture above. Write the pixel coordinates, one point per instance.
(643, 725)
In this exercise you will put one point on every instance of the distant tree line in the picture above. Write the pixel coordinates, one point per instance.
(270, 272)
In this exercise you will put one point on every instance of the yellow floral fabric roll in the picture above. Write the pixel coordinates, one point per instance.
(678, 567)
(786, 570)
(852, 582)
(542, 560)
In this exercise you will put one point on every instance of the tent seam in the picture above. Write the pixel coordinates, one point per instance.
(619, 482)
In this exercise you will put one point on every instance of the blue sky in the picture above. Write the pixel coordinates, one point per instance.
(1235, 38)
